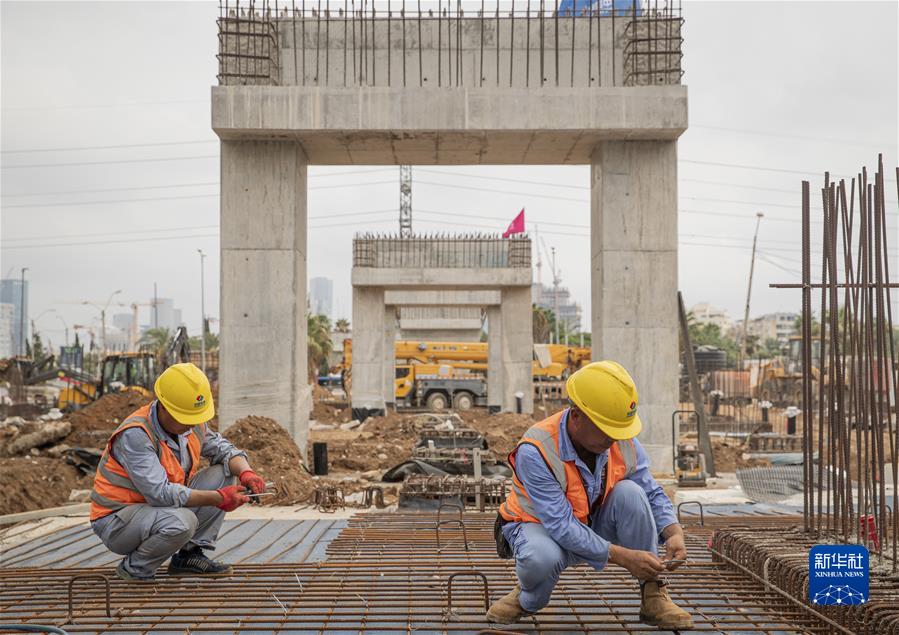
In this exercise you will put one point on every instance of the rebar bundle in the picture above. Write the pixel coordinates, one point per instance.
(850, 426)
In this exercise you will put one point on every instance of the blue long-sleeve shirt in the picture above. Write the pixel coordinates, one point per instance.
(554, 510)
(137, 454)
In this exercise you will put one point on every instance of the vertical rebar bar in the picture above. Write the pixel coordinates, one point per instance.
(573, 18)
(806, 353)
(497, 44)
(482, 21)
(511, 41)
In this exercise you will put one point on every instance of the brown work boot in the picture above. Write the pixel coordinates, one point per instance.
(657, 609)
(507, 610)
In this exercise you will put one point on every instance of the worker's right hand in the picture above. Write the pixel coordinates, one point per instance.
(232, 497)
(641, 564)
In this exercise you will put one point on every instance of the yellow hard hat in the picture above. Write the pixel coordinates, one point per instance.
(606, 393)
(184, 391)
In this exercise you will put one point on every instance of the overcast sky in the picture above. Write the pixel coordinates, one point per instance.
(796, 88)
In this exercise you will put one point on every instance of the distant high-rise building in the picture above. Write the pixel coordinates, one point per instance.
(321, 296)
(544, 296)
(164, 315)
(11, 293)
(122, 321)
(7, 326)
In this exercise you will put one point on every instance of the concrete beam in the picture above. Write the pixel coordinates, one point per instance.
(634, 277)
(472, 297)
(374, 125)
(460, 278)
(448, 324)
(263, 253)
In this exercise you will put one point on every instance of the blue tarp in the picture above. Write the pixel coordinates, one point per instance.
(582, 7)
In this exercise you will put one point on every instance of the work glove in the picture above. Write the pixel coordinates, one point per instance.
(252, 481)
(232, 497)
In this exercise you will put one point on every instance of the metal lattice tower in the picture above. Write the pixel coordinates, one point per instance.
(405, 201)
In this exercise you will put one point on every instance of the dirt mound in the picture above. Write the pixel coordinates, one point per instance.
(729, 457)
(381, 443)
(29, 483)
(334, 412)
(274, 456)
(91, 425)
(502, 431)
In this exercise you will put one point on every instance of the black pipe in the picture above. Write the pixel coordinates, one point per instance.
(320, 459)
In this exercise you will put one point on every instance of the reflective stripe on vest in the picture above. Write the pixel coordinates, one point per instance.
(629, 453)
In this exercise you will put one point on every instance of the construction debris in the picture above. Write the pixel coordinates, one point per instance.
(33, 434)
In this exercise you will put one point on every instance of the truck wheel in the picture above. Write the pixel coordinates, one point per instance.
(437, 401)
(463, 401)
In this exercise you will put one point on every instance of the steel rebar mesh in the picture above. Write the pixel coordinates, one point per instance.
(480, 251)
(514, 43)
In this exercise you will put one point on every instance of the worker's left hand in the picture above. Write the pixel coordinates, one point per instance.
(675, 549)
(252, 481)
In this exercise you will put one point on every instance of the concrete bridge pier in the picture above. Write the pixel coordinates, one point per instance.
(263, 284)
(633, 225)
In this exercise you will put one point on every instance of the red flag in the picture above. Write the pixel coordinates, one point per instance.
(516, 226)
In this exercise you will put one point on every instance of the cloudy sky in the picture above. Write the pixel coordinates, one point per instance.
(110, 168)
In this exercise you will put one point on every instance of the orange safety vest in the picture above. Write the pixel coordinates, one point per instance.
(518, 508)
(113, 489)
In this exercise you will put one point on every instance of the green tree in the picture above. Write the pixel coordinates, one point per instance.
(710, 335)
(38, 351)
(318, 343)
(342, 325)
(212, 342)
(156, 341)
(543, 324)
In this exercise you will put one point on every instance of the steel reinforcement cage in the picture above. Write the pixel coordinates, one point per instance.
(645, 35)
(453, 252)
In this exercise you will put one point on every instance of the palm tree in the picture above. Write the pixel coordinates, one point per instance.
(318, 335)
(342, 326)
(156, 341)
(543, 324)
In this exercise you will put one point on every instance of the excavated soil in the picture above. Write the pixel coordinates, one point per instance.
(274, 456)
(91, 425)
(381, 443)
(332, 412)
(28, 483)
(502, 431)
(729, 457)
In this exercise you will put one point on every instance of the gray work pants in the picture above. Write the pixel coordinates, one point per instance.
(148, 535)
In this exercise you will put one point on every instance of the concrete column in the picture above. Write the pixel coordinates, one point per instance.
(494, 358)
(389, 353)
(368, 351)
(263, 285)
(634, 276)
(517, 347)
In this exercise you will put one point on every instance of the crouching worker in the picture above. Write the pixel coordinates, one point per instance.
(151, 500)
(583, 492)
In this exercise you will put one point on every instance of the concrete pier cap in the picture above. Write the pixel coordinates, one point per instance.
(596, 89)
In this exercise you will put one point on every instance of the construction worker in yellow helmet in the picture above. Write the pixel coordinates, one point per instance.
(151, 500)
(582, 492)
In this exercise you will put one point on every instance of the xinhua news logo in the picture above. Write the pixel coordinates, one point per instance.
(838, 574)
